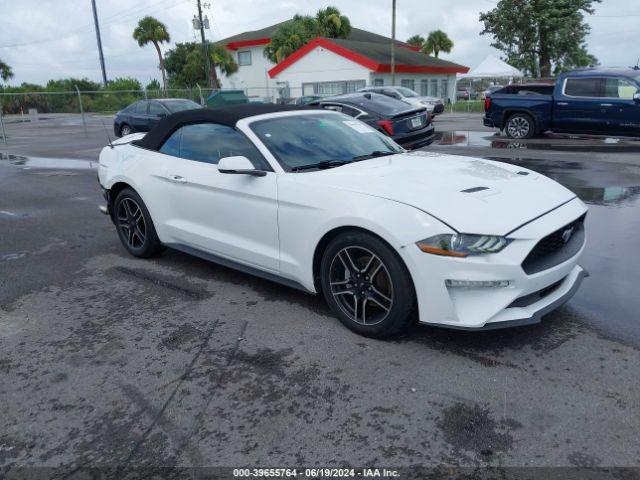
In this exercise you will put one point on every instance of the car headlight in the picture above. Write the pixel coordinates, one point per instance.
(462, 244)
(428, 104)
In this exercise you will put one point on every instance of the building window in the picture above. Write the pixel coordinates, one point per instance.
(434, 88)
(444, 89)
(244, 58)
(378, 82)
(424, 88)
(408, 83)
(334, 88)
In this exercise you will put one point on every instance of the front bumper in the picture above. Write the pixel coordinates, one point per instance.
(524, 301)
(532, 313)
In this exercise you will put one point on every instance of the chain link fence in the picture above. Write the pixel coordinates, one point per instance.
(83, 111)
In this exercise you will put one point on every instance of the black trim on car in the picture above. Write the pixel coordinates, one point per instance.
(225, 262)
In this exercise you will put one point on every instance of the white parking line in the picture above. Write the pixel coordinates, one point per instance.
(11, 214)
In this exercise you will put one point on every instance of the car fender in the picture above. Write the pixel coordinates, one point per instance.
(122, 165)
(302, 226)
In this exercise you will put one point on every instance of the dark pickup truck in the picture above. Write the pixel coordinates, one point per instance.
(590, 101)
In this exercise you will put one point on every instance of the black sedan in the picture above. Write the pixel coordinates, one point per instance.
(408, 125)
(142, 116)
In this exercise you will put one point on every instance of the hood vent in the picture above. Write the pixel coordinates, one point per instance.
(474, 189)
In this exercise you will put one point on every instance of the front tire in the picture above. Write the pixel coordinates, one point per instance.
(366, 285)
(520, 126)
(134, 225)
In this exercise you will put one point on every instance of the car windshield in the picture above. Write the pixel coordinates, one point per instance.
(180, 105)
(407, 92)
(310, 141)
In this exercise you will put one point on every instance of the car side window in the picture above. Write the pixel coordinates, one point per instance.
(619, 88)
(141, 107)
(352, 112)
(209, 142)
(171, 145)
(582, 87)
(155, 109)
(331, 106)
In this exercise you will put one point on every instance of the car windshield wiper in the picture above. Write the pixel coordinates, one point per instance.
(374, 154)
(320, 165)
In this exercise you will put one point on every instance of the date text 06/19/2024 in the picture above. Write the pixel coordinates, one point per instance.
(315, 473)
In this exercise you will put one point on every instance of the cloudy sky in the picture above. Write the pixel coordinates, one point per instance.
(43, 39)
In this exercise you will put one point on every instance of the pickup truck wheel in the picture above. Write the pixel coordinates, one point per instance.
(520, 125)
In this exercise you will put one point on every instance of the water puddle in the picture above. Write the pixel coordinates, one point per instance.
(596, 183)
(608, 300)
(561, 143)
(47, 163)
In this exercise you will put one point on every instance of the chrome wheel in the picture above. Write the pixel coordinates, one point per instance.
(518, 127)
(131, 223)
(125, 130)
(361, 285)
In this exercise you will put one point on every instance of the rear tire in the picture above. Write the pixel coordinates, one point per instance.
(134, 225)
(520, 126)
(366, 285)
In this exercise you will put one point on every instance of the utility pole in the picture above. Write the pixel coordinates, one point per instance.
(393, 42)
(95, 21)
(204, 44)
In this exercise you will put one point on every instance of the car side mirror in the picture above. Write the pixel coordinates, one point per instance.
(239, 165)
(636, 97)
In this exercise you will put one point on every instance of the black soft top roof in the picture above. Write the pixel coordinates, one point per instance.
(224, 116)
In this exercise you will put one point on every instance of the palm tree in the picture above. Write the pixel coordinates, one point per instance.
(437, 42)
(416, 41)
(221, 58)
(331, 23)
(5, 71)
(292, 35)
(151, 30)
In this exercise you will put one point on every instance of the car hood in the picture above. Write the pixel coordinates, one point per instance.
(470, 195)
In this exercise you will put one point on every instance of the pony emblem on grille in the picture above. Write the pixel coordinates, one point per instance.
(566, 235)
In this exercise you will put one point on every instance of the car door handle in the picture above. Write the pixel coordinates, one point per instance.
(177, 178)
(562, 104)
(606, 104)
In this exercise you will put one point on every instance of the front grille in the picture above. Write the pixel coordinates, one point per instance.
(556, 247)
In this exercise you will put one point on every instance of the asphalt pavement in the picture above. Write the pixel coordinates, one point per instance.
(108, 360)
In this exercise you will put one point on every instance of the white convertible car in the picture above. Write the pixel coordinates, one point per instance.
(321, 202)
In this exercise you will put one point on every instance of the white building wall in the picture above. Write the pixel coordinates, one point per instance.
(320, 65)
(253, 79)
(417, 80)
